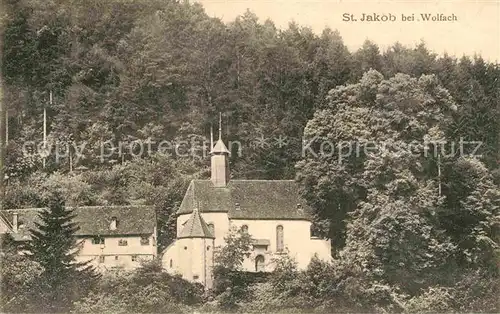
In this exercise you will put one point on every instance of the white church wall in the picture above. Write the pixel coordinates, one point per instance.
(221, 225)
(321, 247)
(296, 236)
(185, 258)
(296, 239)
(192, 258)
(170, 258)
(209, 262)
(201, 261)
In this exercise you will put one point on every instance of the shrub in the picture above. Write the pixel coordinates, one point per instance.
(434, 299)
(21, 195)
(477, 291)
(230, 285)
(18, 273)
(146, 290)
(285, 272)
(74, 189)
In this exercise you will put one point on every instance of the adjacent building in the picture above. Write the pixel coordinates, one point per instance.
(110, 237)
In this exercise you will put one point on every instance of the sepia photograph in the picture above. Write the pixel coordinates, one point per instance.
(249, 156)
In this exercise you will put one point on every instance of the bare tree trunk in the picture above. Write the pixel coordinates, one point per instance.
(2, 113)
(70, 160)
(2, 143)
(439, 175)
(45, 129)
(6, 126)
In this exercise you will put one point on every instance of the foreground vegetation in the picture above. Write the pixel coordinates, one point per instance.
(322, 288)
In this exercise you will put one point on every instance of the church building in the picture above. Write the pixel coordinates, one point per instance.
(271, 211)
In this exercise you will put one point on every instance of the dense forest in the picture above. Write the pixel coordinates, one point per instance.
(407, 228)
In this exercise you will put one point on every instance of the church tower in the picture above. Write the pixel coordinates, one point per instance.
(219, 161)
(196, 250)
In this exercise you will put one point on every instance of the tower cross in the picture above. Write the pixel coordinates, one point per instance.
(220, 125)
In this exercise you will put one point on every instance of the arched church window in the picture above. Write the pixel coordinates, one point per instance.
(280, 246)
(244, 228)
(211, 227)
(171, 263)
(259, 263)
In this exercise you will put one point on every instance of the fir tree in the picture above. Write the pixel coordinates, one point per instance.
(55, 247)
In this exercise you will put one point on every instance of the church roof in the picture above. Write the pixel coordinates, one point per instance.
(93, 220)
(247, 199)
(195, 227)
(219, 148)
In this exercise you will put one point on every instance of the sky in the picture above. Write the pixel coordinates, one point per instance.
(475, 31)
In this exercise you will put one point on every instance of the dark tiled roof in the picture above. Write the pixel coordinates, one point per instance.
(95, 220)
(131, 220)
(26, 220)
(257, 199)
(195, 227)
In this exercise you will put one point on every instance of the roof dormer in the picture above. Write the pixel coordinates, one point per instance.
(114, 223)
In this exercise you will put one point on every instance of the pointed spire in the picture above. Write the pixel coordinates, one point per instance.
(220, 147)
(220, 126)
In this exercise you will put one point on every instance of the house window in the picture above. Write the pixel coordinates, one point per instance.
(208, 248)
(122, 242)
(145, 240)
(279, 239)
(171, 263)
(101, 259)
(97, 240)
(259, 263)
(211, 227)
(134, 258)
(195, 277)
(244, 228)
(116, 257)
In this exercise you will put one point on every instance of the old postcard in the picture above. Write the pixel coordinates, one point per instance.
(259, 156)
